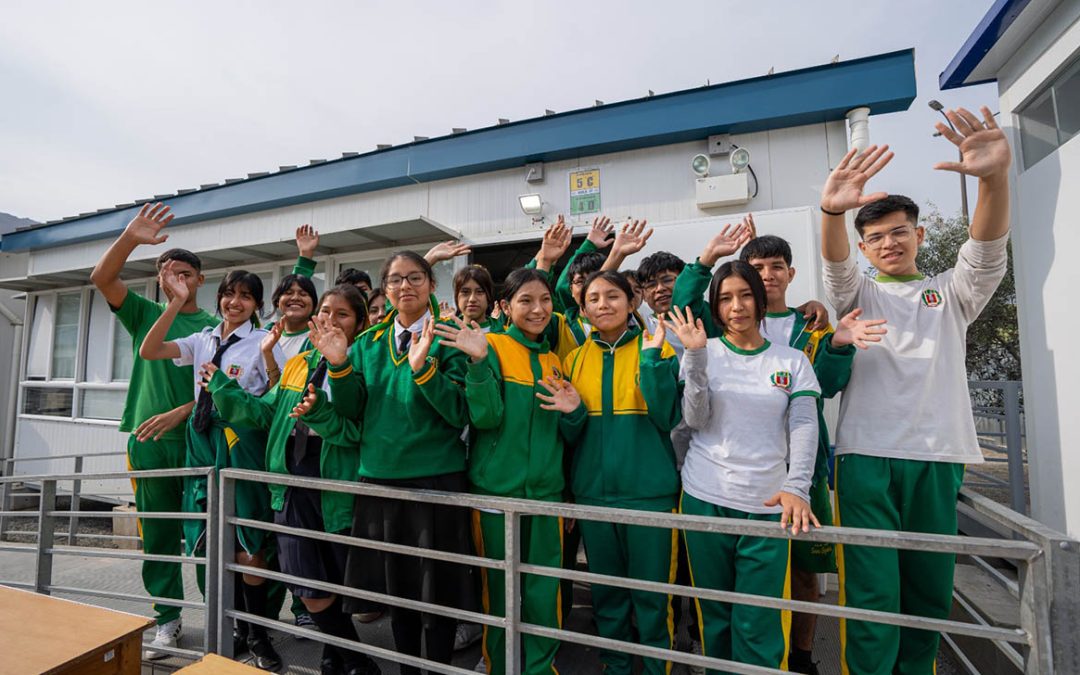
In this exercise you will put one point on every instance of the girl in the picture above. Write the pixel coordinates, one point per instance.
(752, 410)
(294, 449)
(376, 306)
(296, 300)
(411, 416)
(474, 294)
(233, 347)
(624, 458)
(520, 409)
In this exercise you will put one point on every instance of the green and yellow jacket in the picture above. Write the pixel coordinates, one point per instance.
(338, 459)
(623, 455)
(410, 423)
(832, 365)
(517, 450)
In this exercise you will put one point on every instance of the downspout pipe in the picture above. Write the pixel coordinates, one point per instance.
(859, 127)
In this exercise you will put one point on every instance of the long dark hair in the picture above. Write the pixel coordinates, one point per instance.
(746, 272)
(519, 278)
(412, 256)
(305, 285)
(481, 276)
(356, 301)
(617, 279)
(242, 279)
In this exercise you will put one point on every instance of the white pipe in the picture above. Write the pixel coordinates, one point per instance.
(859, 125)
(11, 316)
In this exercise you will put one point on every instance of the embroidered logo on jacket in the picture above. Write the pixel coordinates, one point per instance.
(932, 298)
(781, 379)
(234, 371)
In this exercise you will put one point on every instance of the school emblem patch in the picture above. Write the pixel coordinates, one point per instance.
(234, 371)
(932, 298)
(781, 379)
(556, 373)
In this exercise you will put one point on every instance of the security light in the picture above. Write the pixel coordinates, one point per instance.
(531, 204)
(740, 159)
(700, 165)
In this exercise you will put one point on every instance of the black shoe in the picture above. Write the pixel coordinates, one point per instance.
(265, 657)
(802, 663)
(331, 661)
(366, 666)
(239, 638)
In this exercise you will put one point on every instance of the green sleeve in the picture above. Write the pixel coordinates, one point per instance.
(334, 429)
(660, 387)
(689, 291)
(305, 267)
(832, 365)
(573, 423)
(531, 265)
(442, 384)
(483, 394)
(135, 312)
(346, 385)
(563, 293)
(239, 407)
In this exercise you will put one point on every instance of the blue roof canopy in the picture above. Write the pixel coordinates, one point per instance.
(991, 28)
(885, 83)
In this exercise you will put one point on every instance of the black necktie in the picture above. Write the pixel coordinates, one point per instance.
(303, 432)
(403, 342)
(205, 406)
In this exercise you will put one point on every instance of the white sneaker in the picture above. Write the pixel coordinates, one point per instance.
(168, 635)
(695, 648)
(481, 667)
(466, 635)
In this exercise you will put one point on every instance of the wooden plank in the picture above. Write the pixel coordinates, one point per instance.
(212, 664)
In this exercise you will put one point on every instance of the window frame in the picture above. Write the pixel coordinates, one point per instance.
(1048, 87)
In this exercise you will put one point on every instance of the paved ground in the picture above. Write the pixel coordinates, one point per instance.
(302, 656)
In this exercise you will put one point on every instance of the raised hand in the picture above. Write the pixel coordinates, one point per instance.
(796, 511)
(171, 281)
(307, 240)
(446, 250)
(983, 146)
(206, 372)
(851, 330)
(815, 313)
(599, 231)
(468, 338)
(631, 239)
(553, 246)
(306, 404)
(145, 228)
(843, 189)
(726, 242)
(561, 395)
(420, 346)
(656, 340)
(329, 339)
(691, 331)
(445, 310)
(272, 337)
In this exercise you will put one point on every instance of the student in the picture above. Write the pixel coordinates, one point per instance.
(624, 458)
(355, 277)
(657, 274)
(831, 355)
(292, 448)
(750, 405)
(632, 278)
(474, 297)
(521, 408)
(376, 306)
(411, 418)
(159, 401)
(905, 430)
(296, 300)
(234, 346)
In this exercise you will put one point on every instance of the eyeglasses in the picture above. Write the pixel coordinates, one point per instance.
(897, 234)
(665, 280)
(413, 278)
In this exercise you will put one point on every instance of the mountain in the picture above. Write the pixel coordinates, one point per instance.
(8, 222)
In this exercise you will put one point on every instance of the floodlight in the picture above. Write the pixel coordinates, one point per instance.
(700, 165)
(740, 159)
(531, 204)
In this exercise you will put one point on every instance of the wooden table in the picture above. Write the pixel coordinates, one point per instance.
(42, 634)
(212, 664)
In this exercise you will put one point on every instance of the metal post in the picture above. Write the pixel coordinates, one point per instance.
(76, 488)
(511, 539)
(42, 558)
(1064, 561)
(1014, 446)
(213, 567)
(6, 466)
(226, 553)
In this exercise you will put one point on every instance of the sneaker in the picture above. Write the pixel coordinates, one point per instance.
(481, 666)
(695, 648)
(239, 638)
(368, 617)
(467, 635)
(264, 656)
(802, 663)
(304, 620)
(168, 635)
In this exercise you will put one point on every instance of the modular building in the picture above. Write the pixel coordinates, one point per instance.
(626, 160)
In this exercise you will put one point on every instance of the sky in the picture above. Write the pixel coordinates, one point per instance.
(107, 102)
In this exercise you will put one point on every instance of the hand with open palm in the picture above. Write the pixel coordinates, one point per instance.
(329, 339)
(421, 346)
(468, 338)
(983, 146)
(145, 228)
(691, 331)
(843, 190)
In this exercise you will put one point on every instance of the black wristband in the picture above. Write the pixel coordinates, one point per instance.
(830, 213)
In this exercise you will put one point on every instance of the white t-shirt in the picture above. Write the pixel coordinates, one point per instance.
(738, 456)
(776, 328)
(293, 343)
(908, 396)
(243, 361)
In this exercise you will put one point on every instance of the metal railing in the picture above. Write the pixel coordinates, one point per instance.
(1008, 419)
(45, 549)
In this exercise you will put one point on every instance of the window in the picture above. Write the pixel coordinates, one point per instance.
(65, 335)
(206, 296)
(102, 404)
(37, 358)
(51, 401)
(1052, 117)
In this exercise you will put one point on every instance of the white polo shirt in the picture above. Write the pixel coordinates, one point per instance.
(243, 361)
(293, 343)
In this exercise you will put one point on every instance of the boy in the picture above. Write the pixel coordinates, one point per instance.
(906, 430)
(657, 274)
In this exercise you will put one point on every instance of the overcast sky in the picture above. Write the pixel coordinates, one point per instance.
(106, 102)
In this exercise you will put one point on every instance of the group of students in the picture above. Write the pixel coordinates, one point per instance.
(709, 406)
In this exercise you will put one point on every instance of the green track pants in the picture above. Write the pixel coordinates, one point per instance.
(541, 544)
(159, 536)
(755, 565)
(894, 494)
(646, 553)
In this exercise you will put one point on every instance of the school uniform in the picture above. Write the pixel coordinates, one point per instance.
(410, 436)
(904, 435)
(832, 367)
(753, 434)
(623, 458)
(157, 387)
(297, 342)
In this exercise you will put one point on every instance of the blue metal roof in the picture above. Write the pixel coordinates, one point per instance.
(997, 20)
(884, 82)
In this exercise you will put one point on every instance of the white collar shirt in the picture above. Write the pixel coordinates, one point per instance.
(242, 361)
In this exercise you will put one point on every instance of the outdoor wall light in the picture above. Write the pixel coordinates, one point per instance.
(740, 159)
(531, 204)
(700, 165)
